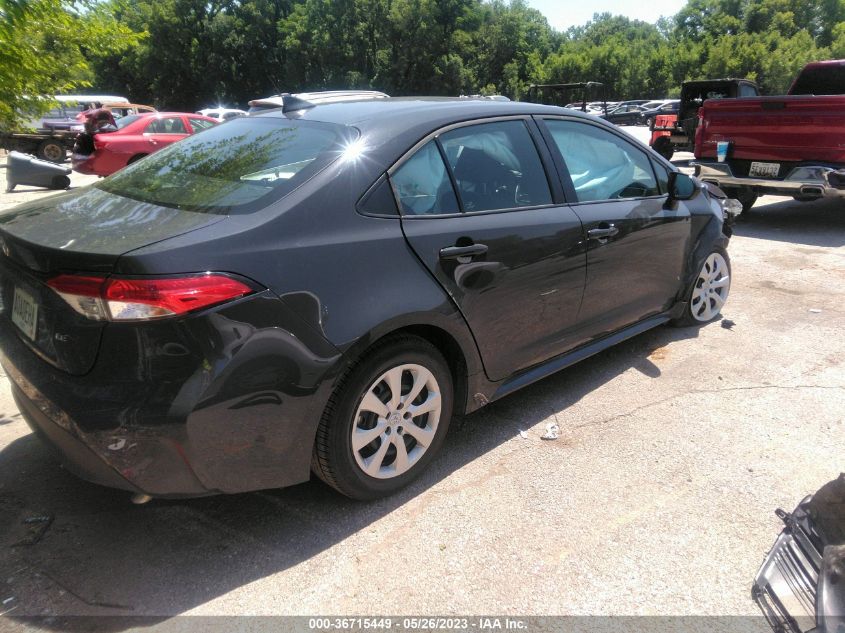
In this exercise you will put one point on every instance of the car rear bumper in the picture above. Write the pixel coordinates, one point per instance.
(84, 164)
(804, 181)
(224, 402)
(146, 461)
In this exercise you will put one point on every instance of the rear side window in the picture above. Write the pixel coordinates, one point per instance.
(422, 185)
(602, 166)
(166, 125)
(747, 90)
(237, 167)
(201, 124)
(496, 166)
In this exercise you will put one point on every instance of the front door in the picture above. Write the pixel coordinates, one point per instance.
(636, 248)
(478, 211)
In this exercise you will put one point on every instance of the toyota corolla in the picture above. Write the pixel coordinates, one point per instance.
(321, 288)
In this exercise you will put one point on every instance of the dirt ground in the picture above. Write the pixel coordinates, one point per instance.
(658, 499)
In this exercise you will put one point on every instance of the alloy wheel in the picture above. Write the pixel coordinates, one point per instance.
(711, 288)
(396, 421)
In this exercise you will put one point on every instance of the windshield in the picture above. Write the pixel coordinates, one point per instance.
(231, 168)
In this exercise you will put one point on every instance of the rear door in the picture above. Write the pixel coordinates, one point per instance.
(162, 131)
(636, 248)
(478, 210)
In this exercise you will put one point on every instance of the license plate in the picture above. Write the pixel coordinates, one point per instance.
(765, 170)
(25, 312)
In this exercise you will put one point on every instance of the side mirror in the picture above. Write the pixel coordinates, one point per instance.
(681, 187)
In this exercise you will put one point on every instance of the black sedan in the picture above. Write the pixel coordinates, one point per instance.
(625, 114)
(670, 107)
(321, 288)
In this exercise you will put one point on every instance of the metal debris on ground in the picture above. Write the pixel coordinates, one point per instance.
(815, 310)
(552, 432)
(38, 526)
(39, 519)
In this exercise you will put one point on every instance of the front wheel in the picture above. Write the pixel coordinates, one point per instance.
(709, 291)
(663, 146)
(386, 420)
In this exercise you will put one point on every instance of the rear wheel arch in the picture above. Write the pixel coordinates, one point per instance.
(458, 359)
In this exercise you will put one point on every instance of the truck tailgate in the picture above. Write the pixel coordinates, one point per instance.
(799, 128)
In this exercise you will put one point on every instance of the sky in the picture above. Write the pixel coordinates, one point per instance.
(565, 13)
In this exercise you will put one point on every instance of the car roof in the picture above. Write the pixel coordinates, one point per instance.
(147, 115)
(90, 98)
(427, 110)
(324, 96)
(204, 110)
(399, 122)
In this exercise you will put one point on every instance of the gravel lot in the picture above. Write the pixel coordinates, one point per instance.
(677, 446)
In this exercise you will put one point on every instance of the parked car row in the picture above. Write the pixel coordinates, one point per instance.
(639, 112)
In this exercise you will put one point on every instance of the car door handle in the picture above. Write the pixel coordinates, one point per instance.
(602, 232)
(473, 250)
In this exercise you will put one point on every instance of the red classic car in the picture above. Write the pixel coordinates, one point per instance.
(135, 136)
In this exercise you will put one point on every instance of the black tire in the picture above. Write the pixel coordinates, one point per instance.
(333, 459)
(648, 122)
(136, 158)
(745, 195)
(60, 182)
(688, 319)
(51, 150)
(663, 146)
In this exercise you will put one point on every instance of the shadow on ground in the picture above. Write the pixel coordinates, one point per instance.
(817, 223)
(93, 553)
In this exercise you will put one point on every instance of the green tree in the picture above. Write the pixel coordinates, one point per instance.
(45, 47)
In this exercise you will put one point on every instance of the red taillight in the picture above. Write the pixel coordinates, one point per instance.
(123, 299)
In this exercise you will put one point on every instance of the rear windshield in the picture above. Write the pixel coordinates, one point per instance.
(821, 80)
(123, 121)
(234, 168)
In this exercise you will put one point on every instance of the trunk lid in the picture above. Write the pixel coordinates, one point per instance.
(84, 231)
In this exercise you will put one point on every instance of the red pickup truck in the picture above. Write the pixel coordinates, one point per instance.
(792, 145)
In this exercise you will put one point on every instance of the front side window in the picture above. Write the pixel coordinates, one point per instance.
(602, 166)
(496, 166)
(662, 176)
(234, 167)
(166, 125)
(422, 185)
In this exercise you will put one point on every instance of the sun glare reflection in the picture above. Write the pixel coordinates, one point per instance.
(354, 150)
